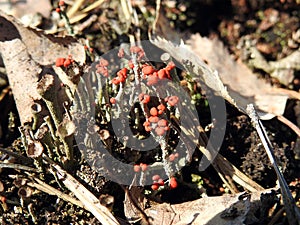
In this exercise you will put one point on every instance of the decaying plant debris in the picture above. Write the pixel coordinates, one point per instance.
(69, 89)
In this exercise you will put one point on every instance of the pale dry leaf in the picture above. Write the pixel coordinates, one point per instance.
(26, 54)
(230, 79)
(20, 69)
(200, 71)
(21, 8)
(219, 210)
(43, 48)
(244, 86)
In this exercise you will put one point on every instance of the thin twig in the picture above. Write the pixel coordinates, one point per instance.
(42, 186)
(18, 167)
(292, 211)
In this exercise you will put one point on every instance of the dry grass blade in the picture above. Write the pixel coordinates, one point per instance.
(89, 201)
(17, 167)
(77, 18)
(225, 169)
(239, 177)
(4, 92)
(93, 6)
(84, 12)
(228, 170)
(42, 186)
(77, 4)
(127, 9)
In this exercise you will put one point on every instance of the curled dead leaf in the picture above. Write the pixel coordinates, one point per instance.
(26, 53)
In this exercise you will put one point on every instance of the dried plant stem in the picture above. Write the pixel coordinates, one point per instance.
(18, 167)
(75, 7)
(85, 196)
(157, 9)
(127, 9)
(4, 205)
(227, 184)
(42, 186)
(93, 6)
(224, 168)
(82, 13)
(4, 92)
(276, 217)
(292, 211)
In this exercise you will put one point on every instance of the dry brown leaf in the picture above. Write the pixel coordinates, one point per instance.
(242, 84)
(21, 8)
(221, 210)
(200, 71)
(232, 80)
(27, 54)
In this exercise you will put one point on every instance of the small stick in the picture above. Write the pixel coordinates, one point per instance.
(87, 23)
(292, 211)
(42, 186)
(18, 167)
